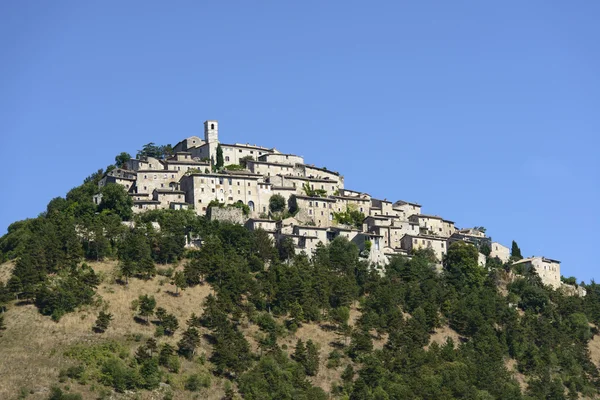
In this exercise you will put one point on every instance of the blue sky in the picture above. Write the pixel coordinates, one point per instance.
(487, 113)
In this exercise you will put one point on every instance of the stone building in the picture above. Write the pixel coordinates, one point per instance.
(433, 225)
(438, 244)
(315, 210)
(500, 251)
(547, 269)
(123, 177)
(406, 208)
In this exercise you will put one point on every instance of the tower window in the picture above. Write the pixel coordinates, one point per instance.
(212, 126)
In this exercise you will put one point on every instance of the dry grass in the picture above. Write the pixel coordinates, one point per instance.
(6, 270)
(440, 335)
(594, 348)
(511, 366)
(33, 345)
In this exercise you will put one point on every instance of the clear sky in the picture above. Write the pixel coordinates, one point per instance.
(487, 113)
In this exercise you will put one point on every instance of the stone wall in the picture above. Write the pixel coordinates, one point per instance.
(227, 214)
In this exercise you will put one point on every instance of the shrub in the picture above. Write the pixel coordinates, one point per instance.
(195, 382)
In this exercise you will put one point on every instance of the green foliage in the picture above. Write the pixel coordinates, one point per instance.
(103, 321)
(220, 160)
(135, 255)
(66, 291)
(116, 200)
(461, 266)
(276, 377)
(168, 359)
(244, 161)
(515, 251)
(146, 306)
(313, 192)
(350, 217)
(190, 339)
(152, 150)
(56, 393)
(121, 159)
(277, 203)
(195, 382)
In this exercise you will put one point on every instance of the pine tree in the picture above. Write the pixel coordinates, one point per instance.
(170, 324)
(188, 343)
(179, 281)
(146, 306)
(103, 321)
(300, 354)
(311, 366)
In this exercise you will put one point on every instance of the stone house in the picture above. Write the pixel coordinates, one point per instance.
(316, 210)
(433, 225)
(500, 251)
(546, 268)
(436, 243)
(168, 196)
(405, 209)
(123, 177)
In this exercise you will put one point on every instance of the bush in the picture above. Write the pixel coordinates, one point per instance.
(195, 382)
(57, 394)
(117, 374)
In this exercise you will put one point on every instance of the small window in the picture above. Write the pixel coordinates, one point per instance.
(249, 192)
(212, 126)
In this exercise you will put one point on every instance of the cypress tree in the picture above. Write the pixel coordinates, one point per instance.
(220, 160)
(515, 251)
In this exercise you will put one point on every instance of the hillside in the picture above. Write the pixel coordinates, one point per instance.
(167, 304)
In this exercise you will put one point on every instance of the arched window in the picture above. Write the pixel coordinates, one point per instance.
(212, 126)
(251, 205)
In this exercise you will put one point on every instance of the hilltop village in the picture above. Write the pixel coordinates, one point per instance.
(312, 205)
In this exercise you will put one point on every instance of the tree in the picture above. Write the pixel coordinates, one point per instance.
(461, 266)
(515, 251)
(300, 354)
(170, 324)
(149, 150)
(2, 324)
(277, 203)
(287, 249)
(188, 343)
(179, 281)
(103, 321)
(244, 160)
(220, 160)
(121, 159)
(146, 306)
(311, 366)
(168, 359)
(115, 199)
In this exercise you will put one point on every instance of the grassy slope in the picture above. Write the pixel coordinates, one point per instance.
(32, 346)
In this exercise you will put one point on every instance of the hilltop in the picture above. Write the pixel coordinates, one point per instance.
(207, 270)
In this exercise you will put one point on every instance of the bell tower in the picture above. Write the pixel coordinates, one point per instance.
(211, 131)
